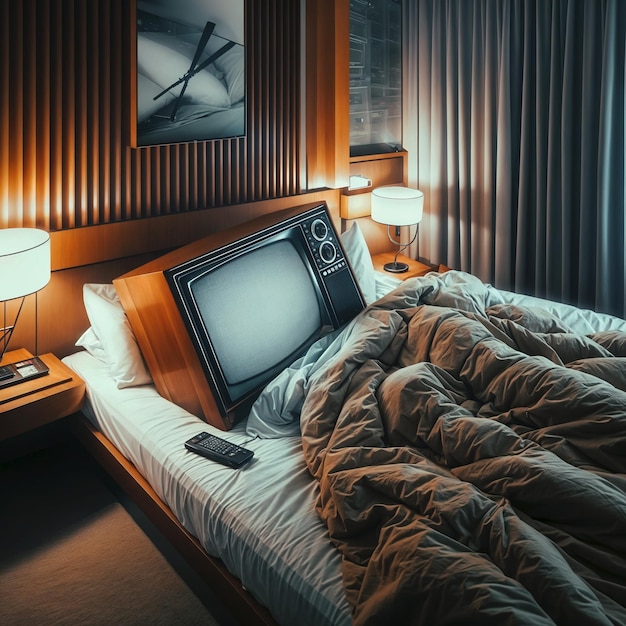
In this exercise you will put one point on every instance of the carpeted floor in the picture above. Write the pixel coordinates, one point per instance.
(70, 553)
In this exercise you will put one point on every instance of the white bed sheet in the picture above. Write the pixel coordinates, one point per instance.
(260, 520)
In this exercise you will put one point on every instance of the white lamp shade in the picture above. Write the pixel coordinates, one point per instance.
(397, 206)
(24, 261)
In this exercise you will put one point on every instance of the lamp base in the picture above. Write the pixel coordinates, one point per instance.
(396, 268)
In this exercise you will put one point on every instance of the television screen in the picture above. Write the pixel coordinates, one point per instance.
(259, 310)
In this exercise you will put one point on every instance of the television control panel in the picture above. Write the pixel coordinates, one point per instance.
(324, 245)
(336, 278)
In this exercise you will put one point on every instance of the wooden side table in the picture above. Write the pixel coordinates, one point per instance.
(33, 403)
(415, 267)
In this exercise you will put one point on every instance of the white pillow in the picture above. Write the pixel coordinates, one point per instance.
(111, 327)
(360, 259)
(90, 342)
(164, 59)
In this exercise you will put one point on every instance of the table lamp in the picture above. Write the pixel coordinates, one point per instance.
(24, 269)
(397, 206)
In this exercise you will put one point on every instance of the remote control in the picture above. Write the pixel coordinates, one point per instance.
(219, 450)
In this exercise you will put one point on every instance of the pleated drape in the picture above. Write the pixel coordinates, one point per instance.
(515, 125)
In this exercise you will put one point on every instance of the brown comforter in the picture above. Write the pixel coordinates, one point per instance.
(472, 461)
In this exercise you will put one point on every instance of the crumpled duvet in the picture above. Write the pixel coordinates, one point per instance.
(471, 459)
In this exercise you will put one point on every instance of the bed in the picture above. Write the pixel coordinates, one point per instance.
(456, 454)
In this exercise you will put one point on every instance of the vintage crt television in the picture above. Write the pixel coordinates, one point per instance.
(217, 319)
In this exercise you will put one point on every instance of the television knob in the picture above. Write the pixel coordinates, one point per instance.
(328, 252)
(319, 230)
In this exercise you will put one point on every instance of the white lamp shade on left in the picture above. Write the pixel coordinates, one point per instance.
(397, 206)
(24, 261)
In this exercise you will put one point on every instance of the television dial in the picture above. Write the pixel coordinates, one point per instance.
(328, 252)
(319, 230)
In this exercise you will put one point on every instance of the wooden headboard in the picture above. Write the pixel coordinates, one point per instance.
(98, 254)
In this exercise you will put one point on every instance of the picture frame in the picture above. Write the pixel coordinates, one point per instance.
(190, 74)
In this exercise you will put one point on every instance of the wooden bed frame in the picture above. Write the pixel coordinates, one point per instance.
(98, 255)
(239, 602)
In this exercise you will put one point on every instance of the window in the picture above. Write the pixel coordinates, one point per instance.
(375, 76)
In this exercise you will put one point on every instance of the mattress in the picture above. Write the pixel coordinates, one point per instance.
(259, 520)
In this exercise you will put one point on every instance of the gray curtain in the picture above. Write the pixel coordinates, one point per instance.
(515, 126)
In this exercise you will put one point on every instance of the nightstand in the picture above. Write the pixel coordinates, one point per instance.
(33, 403)
(415, 267)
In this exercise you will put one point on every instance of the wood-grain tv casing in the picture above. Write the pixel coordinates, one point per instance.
(170, 349)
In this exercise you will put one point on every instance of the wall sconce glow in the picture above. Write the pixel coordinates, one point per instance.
(24, 269)
(397, 206)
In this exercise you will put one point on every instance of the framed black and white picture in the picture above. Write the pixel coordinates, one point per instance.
(190, 70)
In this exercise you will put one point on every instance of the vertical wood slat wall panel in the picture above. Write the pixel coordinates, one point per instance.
(29, 121)
(42, 131)
(4, 121)
(65, 158)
